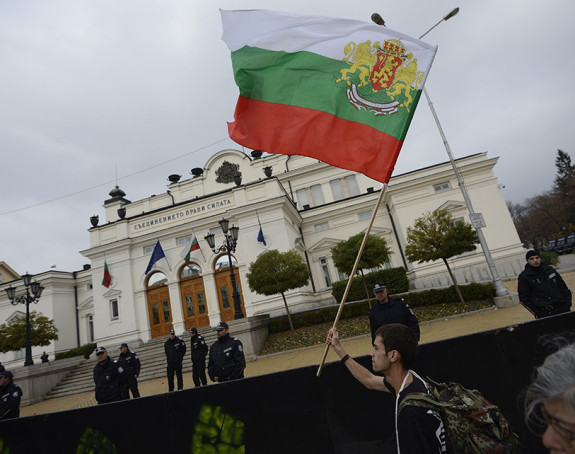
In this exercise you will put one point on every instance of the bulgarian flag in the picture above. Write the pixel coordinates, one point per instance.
(338, 90)
(187, 252)
(107, 280)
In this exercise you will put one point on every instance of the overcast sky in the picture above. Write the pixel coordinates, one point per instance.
(91, 91)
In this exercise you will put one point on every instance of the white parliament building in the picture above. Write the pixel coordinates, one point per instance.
(300, 203)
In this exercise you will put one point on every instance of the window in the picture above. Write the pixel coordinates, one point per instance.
(343, 188)
(90, 328)
(337, 189)
(317, 195)
(189, 306)
(201, 303)
(224, 262)
(157, 279)
(340, 275)
(441, 187)
(184, 240)
(302, 198)
(365, 215)
(320, 227)
(114, 311)
(325, 271)
(351, 185)
(191, 270)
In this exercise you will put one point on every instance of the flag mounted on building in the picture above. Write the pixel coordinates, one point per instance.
(157, 254)
(189, 249)
(107, 280)
(261, 238)
(338, 90)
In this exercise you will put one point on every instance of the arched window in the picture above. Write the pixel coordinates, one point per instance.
(157, 279)
(223, 262)
(190, 270)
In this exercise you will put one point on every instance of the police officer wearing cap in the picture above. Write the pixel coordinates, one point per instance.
(106, 378)
(389, 309)
(541, 289)
(199, 350)
(10, 396)
(130, 363)
(227, 361)
(175, 349)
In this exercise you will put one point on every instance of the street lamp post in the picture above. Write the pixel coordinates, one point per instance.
(26, 299)
(229, 246)
(476, 218)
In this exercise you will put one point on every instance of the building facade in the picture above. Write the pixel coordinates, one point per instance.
(299, 203)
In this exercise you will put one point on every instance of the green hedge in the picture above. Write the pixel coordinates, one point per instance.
(395, 280)
(471, 292)
(84, 350)
(549, 258)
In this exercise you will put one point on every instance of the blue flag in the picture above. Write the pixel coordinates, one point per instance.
(158, 254)
(261, 238)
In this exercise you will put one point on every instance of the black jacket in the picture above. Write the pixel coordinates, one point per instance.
(542, 285)
(396, 310)
(130, 364)
(175, 350)
(107, 380)
(198, 347)
(227, 361)
(10, 396)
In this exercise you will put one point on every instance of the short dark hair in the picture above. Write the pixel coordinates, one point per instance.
(396, 336)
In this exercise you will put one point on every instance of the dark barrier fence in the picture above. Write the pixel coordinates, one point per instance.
(292, 411)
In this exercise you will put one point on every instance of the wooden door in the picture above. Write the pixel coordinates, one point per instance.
(225, 293)
(194, 304)
(159, 311)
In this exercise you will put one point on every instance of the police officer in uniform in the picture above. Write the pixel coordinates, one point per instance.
(130, 363)
(175, 349)
(106, 378)
(541, 288)
(199, 350)
(389, 309)
(227, 361)
(10, 396)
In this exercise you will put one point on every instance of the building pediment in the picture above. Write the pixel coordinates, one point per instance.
(325, 243)
(452, 205)
(112, 293)
(14, 315)
(88, 302)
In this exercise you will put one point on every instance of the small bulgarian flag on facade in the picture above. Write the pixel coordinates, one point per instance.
(193, 246)
(338, 90)
(107, 280)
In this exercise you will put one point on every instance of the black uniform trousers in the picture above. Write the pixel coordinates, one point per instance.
(199, 372)
(130, 385)
(175, 367)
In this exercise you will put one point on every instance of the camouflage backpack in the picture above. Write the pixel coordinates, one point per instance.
(472, 423)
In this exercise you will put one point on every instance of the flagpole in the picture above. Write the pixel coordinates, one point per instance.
(353, 271)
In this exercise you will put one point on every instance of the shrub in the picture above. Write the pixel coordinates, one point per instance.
(470, 292)
(549, 258)
(84, 350)
(394, 278)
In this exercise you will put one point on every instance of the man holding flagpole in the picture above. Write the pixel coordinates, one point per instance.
(338, 90)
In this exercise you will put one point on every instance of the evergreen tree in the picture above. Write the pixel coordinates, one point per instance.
(435, 236)
(375, 254)
(13, 334)
(276, 272)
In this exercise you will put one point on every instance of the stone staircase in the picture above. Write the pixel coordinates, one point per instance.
(152, 358)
